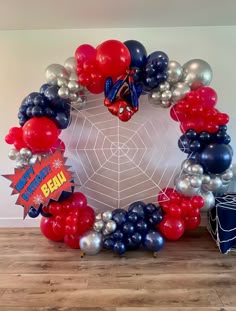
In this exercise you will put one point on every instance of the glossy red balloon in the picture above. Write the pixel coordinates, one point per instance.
(192, 222)
(46, 226)
(85, 53)
(40, 134)
(85, 222)
(186, 206)
(72, 240)
(78, 200)
(59, 226)
(171, 228)
(208, 96)
(113, 58)
(55, 208)
(164, 195)
(174, 210)
(222, 118)
(197, 201)
(176, 114)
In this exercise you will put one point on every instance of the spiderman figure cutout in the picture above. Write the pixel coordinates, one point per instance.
(121, 98)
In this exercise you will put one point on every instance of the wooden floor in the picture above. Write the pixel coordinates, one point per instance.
(189, 274)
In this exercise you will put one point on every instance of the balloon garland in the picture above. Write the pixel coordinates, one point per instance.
(124, 72)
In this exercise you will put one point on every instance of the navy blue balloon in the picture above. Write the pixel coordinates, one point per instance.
(223, 128)
(153, 241)
(49, 112)
(222, 137)
(128, 228)
(191, 134)
(216, 158)
(118, 235)
(150, 208)
(195, 146)
(37, 111)
(205, 137)
(137, 238)
(62, 120)
(142, 227)
(29, 112)
(108, 243)
(119, 248)
(156, 217)
(138, 53)
(44, 87)
(130, 244)
(183, 144)
(51, 92)
(119, 216)
(138, 208)
(132, 217)
(157, 55)
(33, 212)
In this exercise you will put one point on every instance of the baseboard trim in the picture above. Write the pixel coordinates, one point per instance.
(19, 222)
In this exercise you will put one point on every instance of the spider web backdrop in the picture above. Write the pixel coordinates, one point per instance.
(116, 163)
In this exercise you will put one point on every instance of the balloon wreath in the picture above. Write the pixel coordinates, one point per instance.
(124, 72)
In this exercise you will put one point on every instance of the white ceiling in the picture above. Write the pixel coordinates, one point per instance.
(73, 14)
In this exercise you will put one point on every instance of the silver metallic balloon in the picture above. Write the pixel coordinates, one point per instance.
(183, 185)
(174, 72)
(185, 164)
(206, 179)
(91, 243)
(164, 87)
(222, 190)
(110, 227)
(165, 104)
(166, 95)
(196, 169)
(73, 76)
(196, 181)
(33, 159)
(70, 64)
(73, 86)
(62, 82)
(63, 92)
(55, 71)
(209, 200)
(26, 153)
(154, 98)
(73, 96)
(227, 175)
(107, 216)
(99, 225)
(98, 216)
(197, 73)
(20, 163)
(179, 90)
(13, 154)
(213, 185)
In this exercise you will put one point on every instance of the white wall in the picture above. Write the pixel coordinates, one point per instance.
(25, 54)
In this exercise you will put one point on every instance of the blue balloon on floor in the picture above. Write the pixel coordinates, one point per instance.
(153, 241)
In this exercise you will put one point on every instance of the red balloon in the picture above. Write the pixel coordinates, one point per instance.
(174, 210)
(171, 228)
(71, 220)
(176, 114)
(46, 226)
(186, 206)
(78, 200)
(192, 222)
(71, 229)
(72, 240)
(59, 145)
(86, 222)
(55, 208)
(40, 134)
(85, 52)
(59, 226)
(208, 96)
(164, 195)
(84, 78)
(97, 82)
(16, 132)
(211, 127)
(89, 66)
(19, 144)
(66, 206)
(197, 201)
(222, 118)
(113, 58)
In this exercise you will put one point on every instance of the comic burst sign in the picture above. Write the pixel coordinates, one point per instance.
(38, 184)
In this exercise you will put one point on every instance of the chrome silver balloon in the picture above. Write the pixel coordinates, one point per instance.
(110, 227)
(107, 216)
(33, 159)
(165, 104)
(196, 181)
(214, 183)
(91, 242)
(63, 92)
(209, 200)
(222, 190)
(73, 76)
(196, 169)
(73, 86)
(62, 82)
(166, 95)
(185, 164)
(13, 154)
(25, 153)
(70, 64)
(99, 225)
(206, 179)
(98, 216)
(164, 87)
(154, 98)
(55, 71)
(197, 73)
(227, 175)
(20, 164)
(179, 90)
(174, 72)
(73, 96)
(183, 185)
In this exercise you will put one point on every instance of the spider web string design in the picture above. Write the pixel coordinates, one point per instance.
(117, 163)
